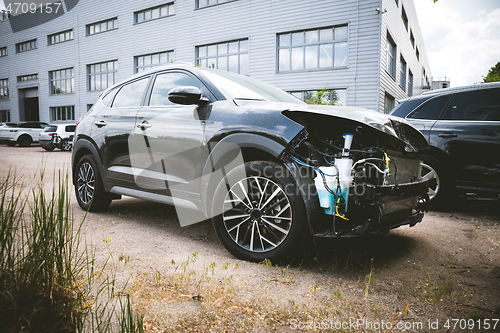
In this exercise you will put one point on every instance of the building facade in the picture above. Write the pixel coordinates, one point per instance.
(366, 53)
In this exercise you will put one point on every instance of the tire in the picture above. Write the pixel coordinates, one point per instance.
(11, 143)
(89, 188)
(24, 141)
(48, 148)
(65, 145)
(267, 219)
(440, 186)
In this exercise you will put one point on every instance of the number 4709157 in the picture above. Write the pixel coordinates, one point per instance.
(485, 324)
(15, 8)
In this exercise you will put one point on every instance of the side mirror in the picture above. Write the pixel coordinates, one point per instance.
(186, 95)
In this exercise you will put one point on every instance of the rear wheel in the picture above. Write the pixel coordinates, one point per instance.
(258, 212)
(65, 145)
(89, 189)
(24, 141)
(440, 183)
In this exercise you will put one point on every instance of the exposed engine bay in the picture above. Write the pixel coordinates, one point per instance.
(367, 180)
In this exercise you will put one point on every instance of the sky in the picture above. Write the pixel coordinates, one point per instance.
(461, 37)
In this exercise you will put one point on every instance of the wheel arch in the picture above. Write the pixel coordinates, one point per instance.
(84, 147)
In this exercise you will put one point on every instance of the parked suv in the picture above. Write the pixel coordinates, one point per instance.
(267, 168)
(462, 126)
(23, 135)
(57, 136)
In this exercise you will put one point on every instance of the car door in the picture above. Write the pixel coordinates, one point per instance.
(167, 146)
(469, 132)
(112, 127)
(426, 114)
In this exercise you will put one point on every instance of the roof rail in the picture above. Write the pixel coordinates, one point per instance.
(470, 87)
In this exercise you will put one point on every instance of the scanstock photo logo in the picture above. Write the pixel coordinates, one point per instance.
(24, 15)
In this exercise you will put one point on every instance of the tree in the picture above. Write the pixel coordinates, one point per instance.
(493, 74)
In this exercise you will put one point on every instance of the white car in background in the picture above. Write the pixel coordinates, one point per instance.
(24, 134)
(57, 136)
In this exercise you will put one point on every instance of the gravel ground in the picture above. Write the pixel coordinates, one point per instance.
(181, 279)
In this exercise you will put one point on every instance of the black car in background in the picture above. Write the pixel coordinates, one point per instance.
(462, 126)
(267, 168)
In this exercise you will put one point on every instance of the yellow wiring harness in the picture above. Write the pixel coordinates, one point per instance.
(337, 211)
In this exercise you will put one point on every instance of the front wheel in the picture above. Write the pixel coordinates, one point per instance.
(258, 212)
(89, 189)
(24, 141)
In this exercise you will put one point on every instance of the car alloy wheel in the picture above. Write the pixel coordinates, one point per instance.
(258, 212)
(86, 183)
(434, 183)
(65, 145)
(89, 187)
(24, 141)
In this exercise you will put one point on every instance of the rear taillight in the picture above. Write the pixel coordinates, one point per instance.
(50, 134)
(78, 121)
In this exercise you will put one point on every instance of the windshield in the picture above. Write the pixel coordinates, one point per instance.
(235, 86)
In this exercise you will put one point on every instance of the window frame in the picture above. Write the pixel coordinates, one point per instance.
(146, 67)
(28, 77)
(68, 109)
(5, 119)
(3, 51)
(91, 74)
(217, 2)
(318, 43)
(98, 23)
(169, 5)
(410, 83)
(239, 53)
(54, 79)
(144, 93)
(30, 42)
(405, 18)
(4, 89)
(62, 33)
(391, 65)
(392, 103)
(402, 72)
(330, 90)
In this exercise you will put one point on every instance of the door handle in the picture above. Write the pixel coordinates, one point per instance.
(447, 135)
(143, 126)
(100, 123)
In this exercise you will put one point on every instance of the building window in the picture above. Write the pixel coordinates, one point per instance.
(229, 56)
(154, 13)
(312, 49)
(26, 46)
(102, 75)
(3, 51)
(206, 3)
(410, 83)
(62, 81)
(397, 2)
(59, 113)
(324, 97)
(391, 56)
(60, 37)
(147, 61)
(102, 26)
(404, 17)
(24, 78)
(4, 88)
(412, 39)
(89, 106)
(402, 73)
(418, 54)
(389, 103)
(4, 116)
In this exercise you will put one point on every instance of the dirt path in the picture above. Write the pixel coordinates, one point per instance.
(182, 279)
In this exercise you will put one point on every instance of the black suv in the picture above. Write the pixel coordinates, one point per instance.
(462, 126)
(266, 167)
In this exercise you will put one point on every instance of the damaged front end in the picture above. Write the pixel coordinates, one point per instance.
(361, 172)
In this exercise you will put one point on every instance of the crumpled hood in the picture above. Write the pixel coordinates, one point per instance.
(394, 126)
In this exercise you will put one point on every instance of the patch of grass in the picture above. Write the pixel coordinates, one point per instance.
(48, 278)
(443, 290)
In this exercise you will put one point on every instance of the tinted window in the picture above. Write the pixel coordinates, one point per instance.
(166, 82)
(480, 105)
(431, 109)
(407, 107)
(108, 99)
(70, 128)
(50, 129)
(131, 94)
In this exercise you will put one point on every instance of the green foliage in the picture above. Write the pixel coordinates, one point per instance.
(324, 96)
(493, 74)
